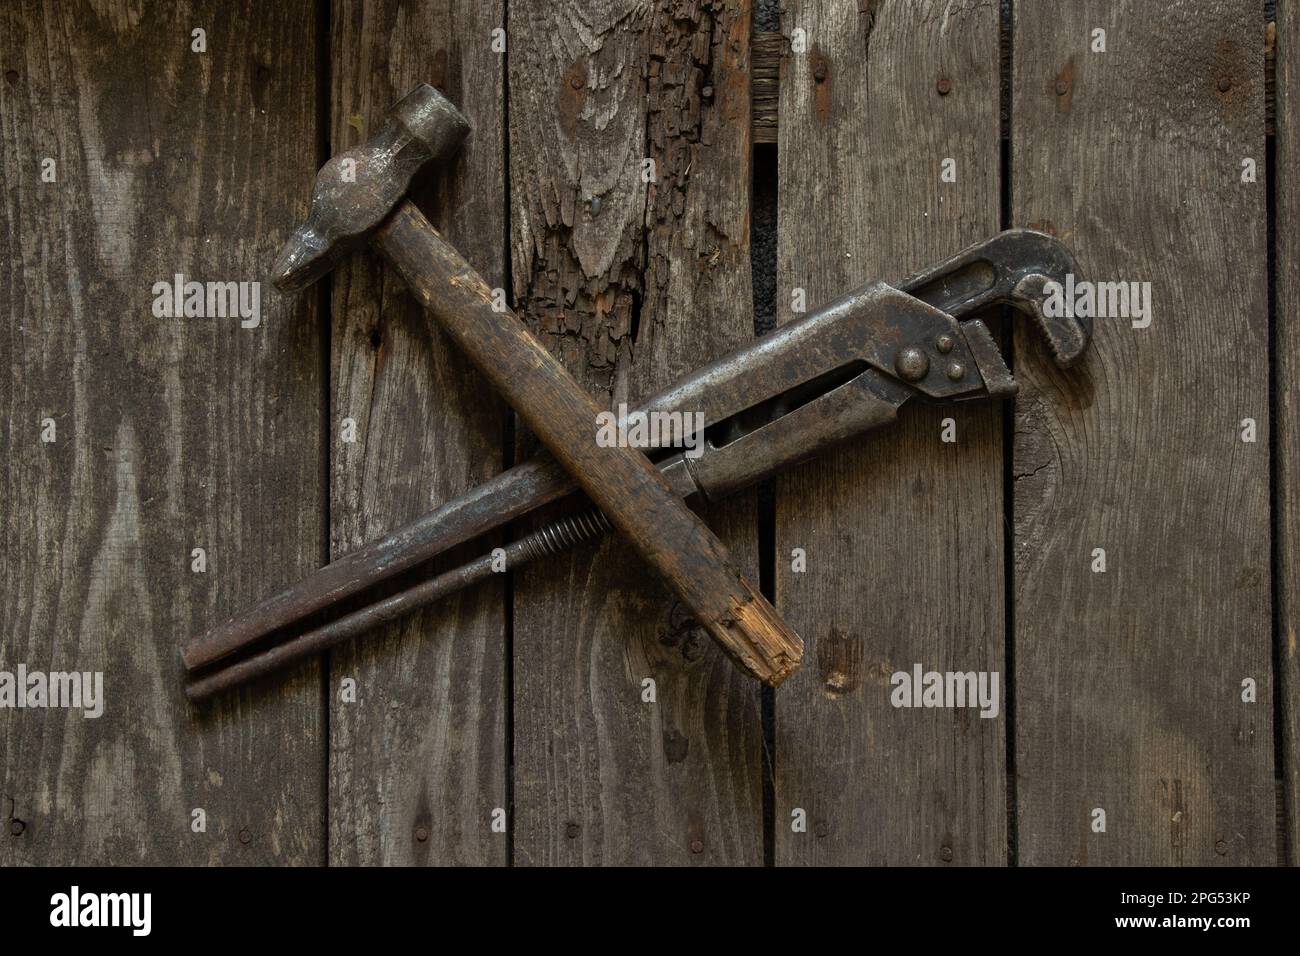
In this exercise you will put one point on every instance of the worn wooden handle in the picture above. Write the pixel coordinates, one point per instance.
(622, 481)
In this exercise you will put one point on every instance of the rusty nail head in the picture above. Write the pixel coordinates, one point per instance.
(16, 827)
(1225, 84)
(819, 72)
(945, 853)
(697, 846)
(944, 86)
(245, 836)
(421, 833)
(1062, 87)
(571, 830)
(1221, 848)
(820, 828)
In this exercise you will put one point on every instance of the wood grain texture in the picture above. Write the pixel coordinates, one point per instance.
(418, 764)
(172, 433)
(903, 535)
(631, 285)
(1128, 682)
(1287, 370)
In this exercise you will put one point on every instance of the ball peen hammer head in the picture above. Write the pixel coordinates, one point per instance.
(357, 189)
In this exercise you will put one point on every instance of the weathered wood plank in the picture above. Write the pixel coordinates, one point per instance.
(418, 763)
(1129, 682)
(1287, 370)
(631, 285)
(171, 433)
(903, 536)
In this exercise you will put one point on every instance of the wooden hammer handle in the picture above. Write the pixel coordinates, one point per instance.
(622, 481)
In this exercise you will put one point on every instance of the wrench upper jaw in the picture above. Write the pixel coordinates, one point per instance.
(1012, 268)
(1068, 336)
(1034, 260)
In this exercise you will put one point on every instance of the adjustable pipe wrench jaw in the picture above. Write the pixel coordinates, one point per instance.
(1013, 268)
(937, 356)
(966, 352)
(847, 368)
(1016, 268)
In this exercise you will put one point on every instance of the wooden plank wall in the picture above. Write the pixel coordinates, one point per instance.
(170, 433)
(1129, 682)
(632, 284)
(1121, 690)
(903, 535)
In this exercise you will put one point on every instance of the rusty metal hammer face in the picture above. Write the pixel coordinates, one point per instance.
(360, 195)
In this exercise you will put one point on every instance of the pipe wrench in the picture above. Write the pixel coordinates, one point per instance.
(836, 373)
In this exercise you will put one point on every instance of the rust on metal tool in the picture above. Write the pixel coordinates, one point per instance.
(360, 196)
(757, 425)
(626, 486)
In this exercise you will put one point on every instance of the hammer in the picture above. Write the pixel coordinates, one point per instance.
(359, 196)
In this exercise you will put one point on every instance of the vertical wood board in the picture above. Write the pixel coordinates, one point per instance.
(418, 764)
(902, 532)
(1129, 681)
(631, 284)
(170, 434)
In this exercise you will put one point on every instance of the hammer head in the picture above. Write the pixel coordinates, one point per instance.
(357, 189)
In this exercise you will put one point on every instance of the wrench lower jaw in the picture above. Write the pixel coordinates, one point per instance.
(998, 381)
(1068, 336)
